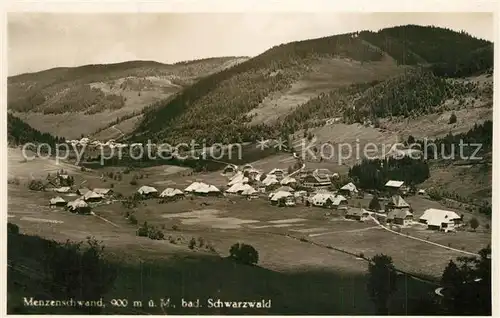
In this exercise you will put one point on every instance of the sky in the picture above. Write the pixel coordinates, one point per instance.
(39, 41)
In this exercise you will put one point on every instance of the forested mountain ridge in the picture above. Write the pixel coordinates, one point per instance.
(77, 88)
(91, 97)
(221, 107)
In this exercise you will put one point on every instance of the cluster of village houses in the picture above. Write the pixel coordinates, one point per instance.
(282, 190)
(96, 143)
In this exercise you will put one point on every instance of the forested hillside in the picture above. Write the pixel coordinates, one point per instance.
(83, 100)
(414, 93)
(217, 108)
(400, 71)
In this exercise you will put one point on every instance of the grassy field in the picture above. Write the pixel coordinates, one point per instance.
(296, 269)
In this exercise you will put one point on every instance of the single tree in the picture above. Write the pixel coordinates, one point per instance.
(374, 204)
(381, 282)
(453, 119)
(248, 254)
(474, 223)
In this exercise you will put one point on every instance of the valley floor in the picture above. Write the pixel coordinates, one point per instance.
(308, 259)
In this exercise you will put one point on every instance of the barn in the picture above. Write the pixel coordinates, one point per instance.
(440, 220)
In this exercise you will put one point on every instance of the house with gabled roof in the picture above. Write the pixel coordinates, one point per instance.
(398, 211)
(397, 202)
(441, 220)
(171, 193)
(349, 189)
(82, 191)
(79, 206)
(395, 187)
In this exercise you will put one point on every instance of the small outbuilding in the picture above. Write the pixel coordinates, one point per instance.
(250, 193)
(57, 201)
(394, 186)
